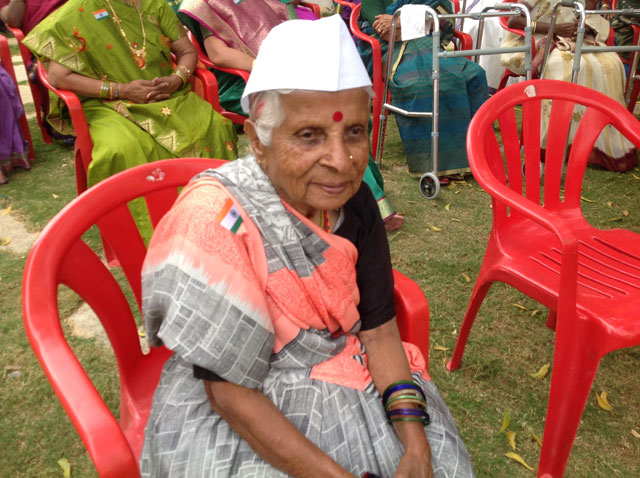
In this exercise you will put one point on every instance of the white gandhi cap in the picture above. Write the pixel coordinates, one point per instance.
(315, 55)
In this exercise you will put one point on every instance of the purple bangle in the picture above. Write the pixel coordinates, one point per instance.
(401, 385)
(406, 411)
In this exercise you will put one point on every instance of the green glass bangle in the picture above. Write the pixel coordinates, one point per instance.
(400, 385)
(423, 420)
(406, 398)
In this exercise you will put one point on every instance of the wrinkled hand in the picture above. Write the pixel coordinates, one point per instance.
(149, 91)
(164, 88)
(415, 466)
(382, 26)
(566, 30)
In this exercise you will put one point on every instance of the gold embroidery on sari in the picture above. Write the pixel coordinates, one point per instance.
(148, 125)
(169, 141)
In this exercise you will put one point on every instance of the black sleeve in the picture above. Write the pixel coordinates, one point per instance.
(363, 226)
(205, 374)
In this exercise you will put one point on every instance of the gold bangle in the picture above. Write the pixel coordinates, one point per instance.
(533, 26)
(104, 89)
(182, 76)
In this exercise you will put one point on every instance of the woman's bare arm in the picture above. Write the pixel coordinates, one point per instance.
(274, 438)
(387, 364)
(222, 55)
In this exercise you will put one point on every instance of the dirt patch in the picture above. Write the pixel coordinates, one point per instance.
(19, 239)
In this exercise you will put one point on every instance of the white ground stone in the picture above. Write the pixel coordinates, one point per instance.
(21, 239)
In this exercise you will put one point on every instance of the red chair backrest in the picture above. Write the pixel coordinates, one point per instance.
(499, 169)
(61, 256)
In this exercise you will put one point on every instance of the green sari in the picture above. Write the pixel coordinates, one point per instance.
(83, 37)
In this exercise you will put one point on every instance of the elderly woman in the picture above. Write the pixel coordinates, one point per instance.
(117, 56)
(463, 87)
(271, 281)
(231, 35)
(603, 72)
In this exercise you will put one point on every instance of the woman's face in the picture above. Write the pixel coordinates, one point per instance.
(319, 153)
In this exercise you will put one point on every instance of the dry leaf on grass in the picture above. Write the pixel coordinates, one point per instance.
(66, 467)
(5, 241)
(55, 196)
(537, 439)
(441, 348)
(511, 438)
(517, 458)
(520, 306)
(434, 228)
(635, 433)
(541, 373)
(5, 211)
(447, 207)
(609, 203)
(603, 402)
(585, 199)
(534, 312)
(467, 279)
(506, 421)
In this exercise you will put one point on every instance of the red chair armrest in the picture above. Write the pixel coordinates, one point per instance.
(95, 423)
(466, 43)
(504, 23)
(412, 313)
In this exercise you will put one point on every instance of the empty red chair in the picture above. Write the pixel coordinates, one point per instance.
(541, 244)
(60, 256)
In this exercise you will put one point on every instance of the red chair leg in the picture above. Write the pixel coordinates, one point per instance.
(479, 293)
(504, 79)
(634, 96)
(551, 319)
(570, 388)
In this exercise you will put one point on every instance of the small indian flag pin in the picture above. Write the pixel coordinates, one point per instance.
(229, 217)
(237, 2)
(101, 14)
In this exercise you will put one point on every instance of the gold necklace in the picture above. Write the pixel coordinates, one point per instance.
(139, 55)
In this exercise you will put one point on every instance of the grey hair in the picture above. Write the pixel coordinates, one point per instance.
(265, 110)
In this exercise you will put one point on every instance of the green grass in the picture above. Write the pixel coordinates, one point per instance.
(506, 343)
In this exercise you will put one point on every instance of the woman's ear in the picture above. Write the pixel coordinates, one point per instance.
(254, 141)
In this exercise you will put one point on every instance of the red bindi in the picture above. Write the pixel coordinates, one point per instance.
(337, 116)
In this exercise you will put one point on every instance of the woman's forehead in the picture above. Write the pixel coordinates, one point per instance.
(328, 105)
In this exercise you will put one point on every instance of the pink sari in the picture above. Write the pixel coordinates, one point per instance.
(244, 25)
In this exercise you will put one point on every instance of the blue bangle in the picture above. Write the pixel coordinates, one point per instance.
(400, 385)
(408, 414)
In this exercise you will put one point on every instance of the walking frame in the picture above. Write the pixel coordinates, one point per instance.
(429, 182)
(581, 13)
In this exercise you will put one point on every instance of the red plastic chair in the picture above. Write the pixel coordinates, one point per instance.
(5, 60)
(60, 256)
(466, 43)
(215, 98)
(542, 245)
(35, 91)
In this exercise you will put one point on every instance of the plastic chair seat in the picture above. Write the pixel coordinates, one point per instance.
(608, 267)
